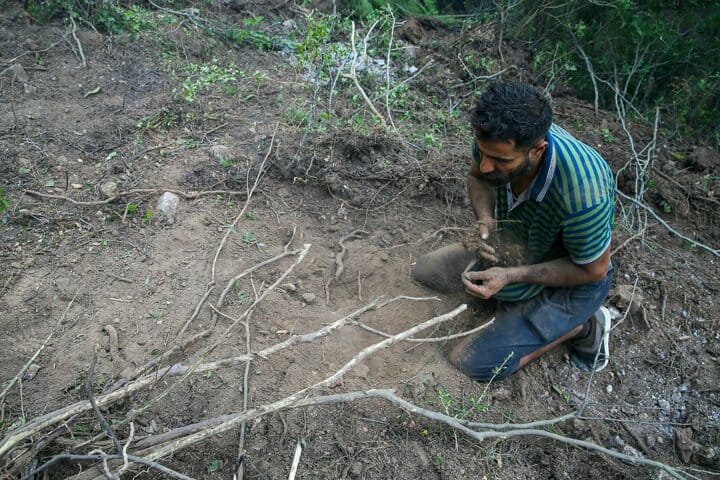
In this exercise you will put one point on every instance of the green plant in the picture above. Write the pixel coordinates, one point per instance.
(147, 217)
(130, 208)
(251, 34)
(607, 135)
(249, 238)
(105, 16)
(201, 77)
(4, 201)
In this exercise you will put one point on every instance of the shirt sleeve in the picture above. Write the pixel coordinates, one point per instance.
(587, 234)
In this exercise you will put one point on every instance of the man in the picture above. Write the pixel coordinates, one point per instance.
(556, 195)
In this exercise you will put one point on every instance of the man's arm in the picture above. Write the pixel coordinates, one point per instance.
(556, 273)
(482, 199)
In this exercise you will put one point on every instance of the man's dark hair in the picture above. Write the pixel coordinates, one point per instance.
(512, 111)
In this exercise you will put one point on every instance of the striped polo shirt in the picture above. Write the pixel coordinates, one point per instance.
(567, 210)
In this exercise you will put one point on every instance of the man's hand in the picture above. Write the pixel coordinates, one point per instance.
(490, 281)
(485, 226)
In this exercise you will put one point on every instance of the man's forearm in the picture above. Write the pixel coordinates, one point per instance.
(556, 273)
(482, 197)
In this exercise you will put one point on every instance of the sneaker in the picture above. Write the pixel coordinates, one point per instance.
(584, 352)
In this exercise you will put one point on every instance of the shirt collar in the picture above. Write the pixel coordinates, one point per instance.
(543, 179)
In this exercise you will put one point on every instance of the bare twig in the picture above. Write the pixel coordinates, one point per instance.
(387, 70)
(138, 191)
(657, 217)
(339, 266)
(430, 339)
(296, 460)
(353, 74)
(250, 191)
(38, 351)
(77, 41)
(94, 458)
(91, 397)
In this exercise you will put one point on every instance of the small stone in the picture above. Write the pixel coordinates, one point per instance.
(384, 257)
(632, 451)
(501, 394)
(29, 89)
(676, 397)
(19, 73)
(609, 389)
(31, 371)
(219, 153)
(289, 287)
(167, 206)
(76, 186)
(579, 425)
(663, 404)
(650, 441)
(628, 296)
(308, 298)
(109, 190)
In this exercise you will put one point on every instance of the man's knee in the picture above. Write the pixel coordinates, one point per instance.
(441, 269)
(483, 364)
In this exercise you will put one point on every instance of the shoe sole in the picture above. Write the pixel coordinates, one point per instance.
(604, 322)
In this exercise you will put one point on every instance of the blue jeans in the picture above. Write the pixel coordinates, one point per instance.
(526, 326)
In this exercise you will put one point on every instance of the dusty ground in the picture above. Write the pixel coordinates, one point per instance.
(103, 265)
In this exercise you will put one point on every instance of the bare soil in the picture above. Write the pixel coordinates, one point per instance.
(105, 265)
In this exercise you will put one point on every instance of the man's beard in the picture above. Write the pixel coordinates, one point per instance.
(498, 179)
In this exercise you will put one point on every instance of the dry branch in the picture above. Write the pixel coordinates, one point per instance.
(136, 191)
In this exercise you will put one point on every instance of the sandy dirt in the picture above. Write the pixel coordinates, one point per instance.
(123, 282)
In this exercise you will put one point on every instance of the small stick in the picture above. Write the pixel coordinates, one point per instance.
(296, 460)
(138, 191)
(250, 191)
(429, 339)
(657, 217)
(77, 41)
(339, 266)
(101, 419)
(96, 457)
(353, 75)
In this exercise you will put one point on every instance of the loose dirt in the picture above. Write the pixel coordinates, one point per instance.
(125, 283)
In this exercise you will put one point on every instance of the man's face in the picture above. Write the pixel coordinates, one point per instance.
(501, 162)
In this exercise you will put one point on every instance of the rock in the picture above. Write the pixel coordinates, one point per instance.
(664, 404)
(650, 441)
(289, 287)
(308, 298)
(625, 296)
(167, 206)
(684, 443)
(109, 190)
(219, 153)
(31, 371)
(29, 89)
(19, 73)
(632, 451)
(76, 186)
(609, 388)
(501, 394)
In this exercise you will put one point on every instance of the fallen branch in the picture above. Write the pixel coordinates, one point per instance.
(353, 74)
(296, 460)
(250, 191)
(38, 424)
(137, 191)
(98, 457)
(77, 41)
(657, 217)
(429, 339)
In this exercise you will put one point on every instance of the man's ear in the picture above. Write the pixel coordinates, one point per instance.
(537, 150)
